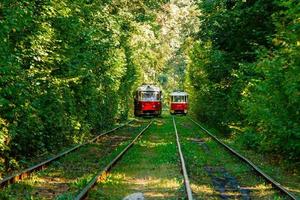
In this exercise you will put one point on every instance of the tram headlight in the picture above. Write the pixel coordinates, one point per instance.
(185, 111)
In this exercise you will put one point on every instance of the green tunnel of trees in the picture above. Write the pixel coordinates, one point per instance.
(68, 68)
(245, 72)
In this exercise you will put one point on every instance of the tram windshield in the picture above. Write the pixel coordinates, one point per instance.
(179, 99)
(150, 96)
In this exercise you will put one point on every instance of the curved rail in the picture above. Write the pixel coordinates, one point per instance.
(258, 170)
(103, 174)
(26, 172)
(184, 171)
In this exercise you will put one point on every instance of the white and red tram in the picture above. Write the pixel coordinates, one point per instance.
(179, 103)
(147, 101)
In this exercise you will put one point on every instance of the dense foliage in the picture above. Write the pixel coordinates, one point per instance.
(66, 69)
(244, 72)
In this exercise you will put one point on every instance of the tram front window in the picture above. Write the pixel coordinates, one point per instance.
(179, 99)
(150, 96)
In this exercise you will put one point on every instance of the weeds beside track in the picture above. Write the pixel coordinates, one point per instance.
(215, 173)
(151, 165)
(67, 175)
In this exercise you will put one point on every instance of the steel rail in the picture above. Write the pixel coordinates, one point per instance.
(257, 169)
(103, 174)
(184, 171)
(26, 172)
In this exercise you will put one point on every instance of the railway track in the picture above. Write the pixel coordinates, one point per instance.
(123, 143)
(183, 167)
(72, 165)
(101, 175)
(260, 172)
(210, 170)
(26, 172)
(149, 171)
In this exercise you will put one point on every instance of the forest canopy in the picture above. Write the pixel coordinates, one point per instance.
(68, 69)
(244, 72)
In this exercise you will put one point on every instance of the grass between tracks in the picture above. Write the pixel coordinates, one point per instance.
(66, 176)
(213, 171)
(287, 174)
(33, 160)
(151, 167)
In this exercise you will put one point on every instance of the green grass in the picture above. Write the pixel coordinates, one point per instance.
(287, 176)
(66, 176)
(208, 153)
(151, 166)
(285, 173)
(33, 160)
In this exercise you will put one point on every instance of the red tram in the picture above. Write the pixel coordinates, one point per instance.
(147, 101)
(178, 103)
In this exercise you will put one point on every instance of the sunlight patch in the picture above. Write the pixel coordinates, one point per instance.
(121, 178)
(202, 189)
(153, 144)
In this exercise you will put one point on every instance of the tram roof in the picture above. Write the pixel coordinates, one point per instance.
(151, 88)
(179, 94)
